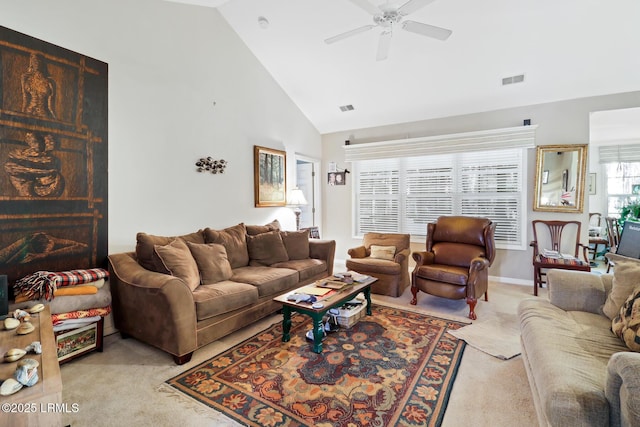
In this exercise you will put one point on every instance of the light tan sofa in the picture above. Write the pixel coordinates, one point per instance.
(580, 372)
(181, 293)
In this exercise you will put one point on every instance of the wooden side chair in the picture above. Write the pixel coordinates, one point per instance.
(597, 236)
(562, 237)
(613, 235)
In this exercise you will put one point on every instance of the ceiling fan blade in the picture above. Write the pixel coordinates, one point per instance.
(426, 30)
(383, 45)
(413, 5)
(349, 34)
(367, 6)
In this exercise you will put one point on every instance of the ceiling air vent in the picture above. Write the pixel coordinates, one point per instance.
(513, 79)
(345, 108)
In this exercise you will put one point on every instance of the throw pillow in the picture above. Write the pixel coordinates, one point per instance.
(252, 230)
(626, 277)
(177, 260)
(267, 248)
(212, 262)
(626, 324)
(145, 243)
(296, 243)
(383, 252)
(234, 241)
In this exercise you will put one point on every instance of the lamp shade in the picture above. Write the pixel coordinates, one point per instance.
(296, 197)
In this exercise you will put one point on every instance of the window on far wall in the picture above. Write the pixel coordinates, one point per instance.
(623, 185)
(621, 164)
(402, 195)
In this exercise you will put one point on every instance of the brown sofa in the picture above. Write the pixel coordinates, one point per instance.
(181, 293)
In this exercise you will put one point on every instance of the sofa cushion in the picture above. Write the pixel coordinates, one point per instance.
(443, 273)
(306, 268)
(568, 352)
(266, 248)
(178, 261)
(269, 281)
(626, 324)
(145, 243)
(373, 265)
(383, 252)
(626, 276)
(296, 243)
(212, 262)
(223, 297)
(274, 225)
(234, 241)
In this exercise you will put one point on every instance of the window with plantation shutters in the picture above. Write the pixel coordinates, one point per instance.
(400, 186)
(378, 196)
(402, 195)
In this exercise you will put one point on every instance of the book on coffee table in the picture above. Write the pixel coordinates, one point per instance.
(331, 284)
(313, 290)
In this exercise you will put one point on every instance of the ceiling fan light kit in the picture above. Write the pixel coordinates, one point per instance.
(387, 16)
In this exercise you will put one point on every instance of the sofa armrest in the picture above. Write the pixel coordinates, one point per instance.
(576, 290)
(402, 255)
(324, 250)
(422, 258)
(622, 389)
(152, 307)
(477, 265)
(359, 252)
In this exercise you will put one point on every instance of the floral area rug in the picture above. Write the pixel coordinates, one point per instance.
(394, 368)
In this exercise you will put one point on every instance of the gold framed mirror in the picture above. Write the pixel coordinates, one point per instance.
(560, 178)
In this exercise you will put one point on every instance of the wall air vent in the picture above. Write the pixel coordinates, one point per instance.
(345, 108)
(513, 79)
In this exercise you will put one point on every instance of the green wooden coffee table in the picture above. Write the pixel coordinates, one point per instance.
(334, 301)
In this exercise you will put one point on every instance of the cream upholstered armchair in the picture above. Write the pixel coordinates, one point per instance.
(386, 257)
(460, 250)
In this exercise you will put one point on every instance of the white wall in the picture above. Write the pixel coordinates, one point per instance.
(565, 122)
(168, 64)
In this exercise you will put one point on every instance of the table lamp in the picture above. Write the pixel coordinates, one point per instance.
(296, 199)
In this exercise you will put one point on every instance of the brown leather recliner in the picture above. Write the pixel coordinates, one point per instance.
(392, 273)
(456, 263)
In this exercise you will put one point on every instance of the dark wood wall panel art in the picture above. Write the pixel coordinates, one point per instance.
(53, 157)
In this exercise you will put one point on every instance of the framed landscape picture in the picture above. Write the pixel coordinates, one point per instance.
(269, 176)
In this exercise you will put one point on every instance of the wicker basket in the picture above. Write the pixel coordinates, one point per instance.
(349, 315)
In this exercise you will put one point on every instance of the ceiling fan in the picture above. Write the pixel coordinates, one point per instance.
(388, 15)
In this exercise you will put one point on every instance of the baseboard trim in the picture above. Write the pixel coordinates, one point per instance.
(511, 280)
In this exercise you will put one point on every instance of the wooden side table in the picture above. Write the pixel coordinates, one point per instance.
(40, 404)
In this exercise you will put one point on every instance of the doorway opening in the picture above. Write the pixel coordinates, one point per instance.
(307, 180)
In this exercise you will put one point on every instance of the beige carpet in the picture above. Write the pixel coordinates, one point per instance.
(498, 335)
(121, 385)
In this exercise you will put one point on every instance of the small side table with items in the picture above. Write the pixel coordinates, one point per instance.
(31, 405)
(78, 300)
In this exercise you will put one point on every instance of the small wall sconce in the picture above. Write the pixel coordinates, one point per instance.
(207, 164)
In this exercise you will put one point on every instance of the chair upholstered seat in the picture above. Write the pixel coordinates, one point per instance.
(444, 273)
(374, 265)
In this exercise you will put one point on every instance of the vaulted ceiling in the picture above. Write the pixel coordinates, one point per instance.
(565, 49)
